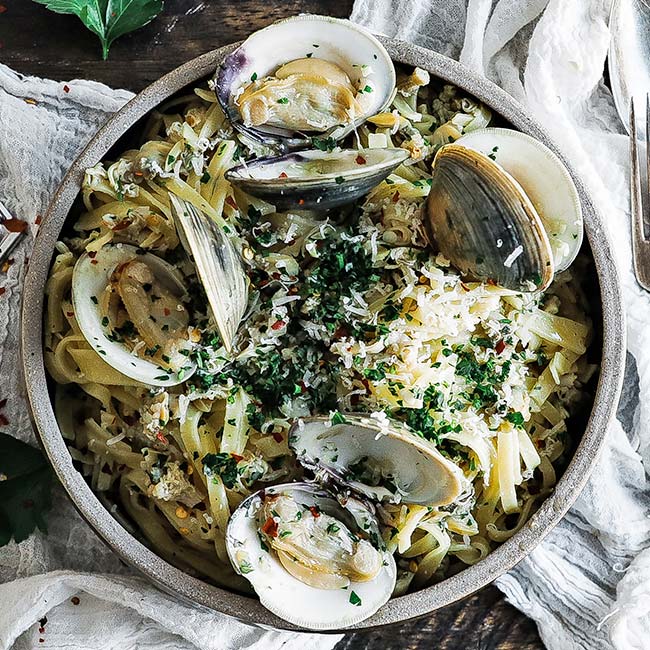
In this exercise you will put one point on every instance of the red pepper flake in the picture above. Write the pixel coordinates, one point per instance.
(360, 160)
(301, 201)
(315, 512)
(41, 630)
(396, 197)
(2, 290)
(500, 346)
(92, 254)
(276, 275)
(38, 219)
(491, 282)
(465, 286)
(94, 262)
(277, 436)
(2, 9)
(75, 600)
(166, 311)
(270, 527)
(41, 640)
(341, 331)
(15, 225)
(69, 314)
(231, 202)
(237, 457)
(3, 420)
(66, 88)
(122, 225)
(161, 438)
(283, 175)
(277, 325)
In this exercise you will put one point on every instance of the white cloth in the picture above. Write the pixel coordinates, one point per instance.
(113, 608)
(588, 584)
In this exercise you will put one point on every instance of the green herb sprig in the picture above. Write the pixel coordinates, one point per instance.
(108, 19)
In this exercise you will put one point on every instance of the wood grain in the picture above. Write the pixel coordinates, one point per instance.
(37, 42)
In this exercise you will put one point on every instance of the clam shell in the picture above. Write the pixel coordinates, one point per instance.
(90, 277)
(480, 218)
(315, 179)
(288, 597)
(544, 179)
(424, 476)
(218, 266)
(352, 48)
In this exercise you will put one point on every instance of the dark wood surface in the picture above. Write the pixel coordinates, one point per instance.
(37, 42)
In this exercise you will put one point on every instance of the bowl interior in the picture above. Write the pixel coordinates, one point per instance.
(600, 283)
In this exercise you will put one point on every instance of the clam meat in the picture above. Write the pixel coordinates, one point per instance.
(304, 76)
(313, 560)
(129, 307)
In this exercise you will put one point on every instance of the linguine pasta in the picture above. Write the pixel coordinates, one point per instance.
(348, 312)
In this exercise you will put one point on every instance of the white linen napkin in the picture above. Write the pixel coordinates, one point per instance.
(82, 594)
(588, 584)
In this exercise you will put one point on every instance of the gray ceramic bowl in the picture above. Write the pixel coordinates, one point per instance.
(249, 609)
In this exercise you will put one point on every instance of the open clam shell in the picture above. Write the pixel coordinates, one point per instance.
(544, 179)
(90, 279)
(254, 557)
(481, 219)
(355, 51)
(383, 462)
(315, 179)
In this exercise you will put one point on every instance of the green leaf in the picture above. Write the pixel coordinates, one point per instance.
(25, 489)
(108, 19)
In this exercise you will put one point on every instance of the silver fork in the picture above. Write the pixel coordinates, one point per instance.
(10, 239)
(640, 230)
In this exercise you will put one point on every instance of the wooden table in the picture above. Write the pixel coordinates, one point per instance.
(37, 42)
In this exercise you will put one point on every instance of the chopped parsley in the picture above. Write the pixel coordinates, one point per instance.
(245, 567)
(223, 466)
(516, 418)
(324, 144)
(337, 418)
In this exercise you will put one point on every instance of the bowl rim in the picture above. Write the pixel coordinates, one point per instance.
(249, 609)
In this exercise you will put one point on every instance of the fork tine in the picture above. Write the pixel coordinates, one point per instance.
(635, 184)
